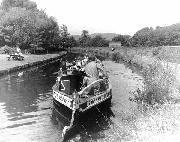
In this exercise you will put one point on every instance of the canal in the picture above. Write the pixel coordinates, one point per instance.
(26, 109)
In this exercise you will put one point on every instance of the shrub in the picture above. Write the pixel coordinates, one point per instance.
(158, 82)
(6, 50)
(115, 57)
(107, 54)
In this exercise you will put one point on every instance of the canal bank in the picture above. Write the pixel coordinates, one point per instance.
(11, 66)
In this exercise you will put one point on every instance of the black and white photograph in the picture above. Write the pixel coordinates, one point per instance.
(89, 71)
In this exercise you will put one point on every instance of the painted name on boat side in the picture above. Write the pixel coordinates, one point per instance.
(98, 99)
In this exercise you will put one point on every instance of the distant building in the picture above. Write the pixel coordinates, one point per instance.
(114, 44)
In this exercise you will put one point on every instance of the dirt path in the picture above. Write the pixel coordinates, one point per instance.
(124, 82)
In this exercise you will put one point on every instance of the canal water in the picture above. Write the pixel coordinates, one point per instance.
(27, 114)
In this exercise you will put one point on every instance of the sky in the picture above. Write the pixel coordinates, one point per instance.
(112, 16)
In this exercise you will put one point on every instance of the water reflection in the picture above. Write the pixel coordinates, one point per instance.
(25, 104)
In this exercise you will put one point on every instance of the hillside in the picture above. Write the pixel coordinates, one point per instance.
(76, 37)
(107, 36)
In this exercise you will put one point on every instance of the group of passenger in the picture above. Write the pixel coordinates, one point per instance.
(80, 64)
(94, 70)
(92, 67)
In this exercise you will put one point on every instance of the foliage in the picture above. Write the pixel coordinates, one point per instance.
(158, 84)
(6, 50)
(116, 57)
(98, 41)
(124, 39)
(24, 25)
(8, 4)
(72, 42)
(66, 41)
(85, 38)
(161, 36)
(87, 41)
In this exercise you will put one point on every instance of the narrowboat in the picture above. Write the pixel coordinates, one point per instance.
(70, 96)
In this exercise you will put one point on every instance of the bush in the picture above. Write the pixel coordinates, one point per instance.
(115, 57)
(107, 54)
(6, 50)
(158, 82)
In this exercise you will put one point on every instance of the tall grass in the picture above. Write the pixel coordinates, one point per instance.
(159, 125)
(159, 82)
(116, 57)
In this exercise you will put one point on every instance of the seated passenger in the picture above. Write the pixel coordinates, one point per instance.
(88, 80)
(101, 69)
(92, 73)
(94, 70)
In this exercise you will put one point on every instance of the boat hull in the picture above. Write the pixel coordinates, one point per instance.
(81, 105)
(66, 112)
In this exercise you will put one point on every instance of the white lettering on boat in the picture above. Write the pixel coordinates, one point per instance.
(97, 99)
(62, 99)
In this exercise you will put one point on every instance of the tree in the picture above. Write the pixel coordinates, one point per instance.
(66, 40)
(84, 40)
(142, 36)
(98, 41)
(124, 39)
(28, 27)
(48, 35)
(161, 36)
(85, 34)
(27, 4)
(64, 37)
(72, 42)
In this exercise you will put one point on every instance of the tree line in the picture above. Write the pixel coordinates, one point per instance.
(145, 37)
(149, 37)
(86, 40)
(23, 24)
(160, 36)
